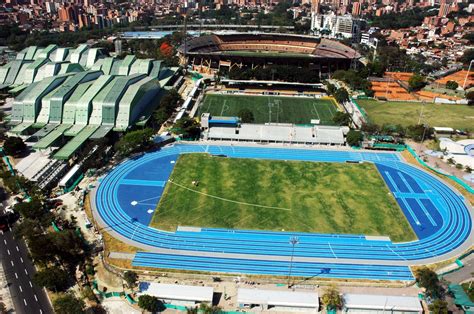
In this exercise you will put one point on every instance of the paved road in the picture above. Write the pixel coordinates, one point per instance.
(27, 298)
(462, 274)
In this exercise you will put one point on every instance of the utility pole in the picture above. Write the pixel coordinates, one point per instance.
(293, 241)
(421, 111)
(467, 74)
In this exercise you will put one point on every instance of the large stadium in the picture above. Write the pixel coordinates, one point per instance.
(235, 209)
(229, 50)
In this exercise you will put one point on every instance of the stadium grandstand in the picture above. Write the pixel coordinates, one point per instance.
(229, 50)
(72, 95)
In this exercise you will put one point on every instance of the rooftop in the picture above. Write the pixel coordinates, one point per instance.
(382, 302)
(176, 292)
(278, 298)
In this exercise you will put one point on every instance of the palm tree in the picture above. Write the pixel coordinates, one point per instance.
(331, 298)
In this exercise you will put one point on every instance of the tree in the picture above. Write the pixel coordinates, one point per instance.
(246, 115)
(96, 309)
(52, 278)
(131, 278)
(187, 127)
(439, 307)
(470, 98)
(370, 128)
(428, 279)
(331, 88)
(416, 82)
(419, 132)
(166, 50)
(32, 210)
(452, 85)
(134, 141)
(208, 309)
(467, 57)
(14, 146)
(331, 298)
(150, 303)
(341, 118)
(341, 95)
(354, 138)
(68, 304)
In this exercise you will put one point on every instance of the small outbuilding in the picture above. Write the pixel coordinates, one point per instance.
(258, 300)
(177, 294)
(388, 304)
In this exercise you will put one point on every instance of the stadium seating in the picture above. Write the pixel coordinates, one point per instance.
(323, 48)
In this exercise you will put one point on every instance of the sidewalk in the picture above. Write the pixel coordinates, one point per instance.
(5, 296)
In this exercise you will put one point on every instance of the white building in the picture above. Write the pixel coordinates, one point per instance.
(462, 152)
(337, 26)
(177, 294)
(258, 300)
(369, 303)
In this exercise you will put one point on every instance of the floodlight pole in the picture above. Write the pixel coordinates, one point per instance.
(293, 241)
(421, 111)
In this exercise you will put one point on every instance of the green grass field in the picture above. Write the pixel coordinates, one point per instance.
(271, 108)
(280, 195)
(407, 113)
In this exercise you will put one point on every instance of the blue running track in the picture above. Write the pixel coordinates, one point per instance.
(126, 198)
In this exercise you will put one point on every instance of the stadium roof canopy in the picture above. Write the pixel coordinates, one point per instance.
(258, 44)
(278, 298)
(287, 133)
(176, 292)
(382, 302)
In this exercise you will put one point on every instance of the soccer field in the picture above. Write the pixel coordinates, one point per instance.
(407, 113)
(274, 109)
(280, 195)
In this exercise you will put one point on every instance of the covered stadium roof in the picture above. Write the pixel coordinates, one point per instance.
(287, 133)
(261, 44)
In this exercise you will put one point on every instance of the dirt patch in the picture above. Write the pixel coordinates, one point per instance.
(108, 279)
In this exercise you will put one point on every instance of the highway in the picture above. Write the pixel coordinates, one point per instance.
(19, 271)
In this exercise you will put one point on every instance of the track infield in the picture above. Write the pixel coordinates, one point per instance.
(273, 109)
(407, 113)
(280, 195)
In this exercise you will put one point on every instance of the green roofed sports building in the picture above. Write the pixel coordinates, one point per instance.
(67, 96)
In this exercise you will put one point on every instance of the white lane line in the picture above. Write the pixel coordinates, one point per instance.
(26, 272)
(12, 263)
(5, 241)
(17, 249)
(21, 289)
(41, 311)
(16, 275)
(24, 301)
(21, 259)
(8, 251)
(31, 285)
(36, 298)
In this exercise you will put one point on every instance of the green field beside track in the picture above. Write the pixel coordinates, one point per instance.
(280, 195)
(408, 113)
